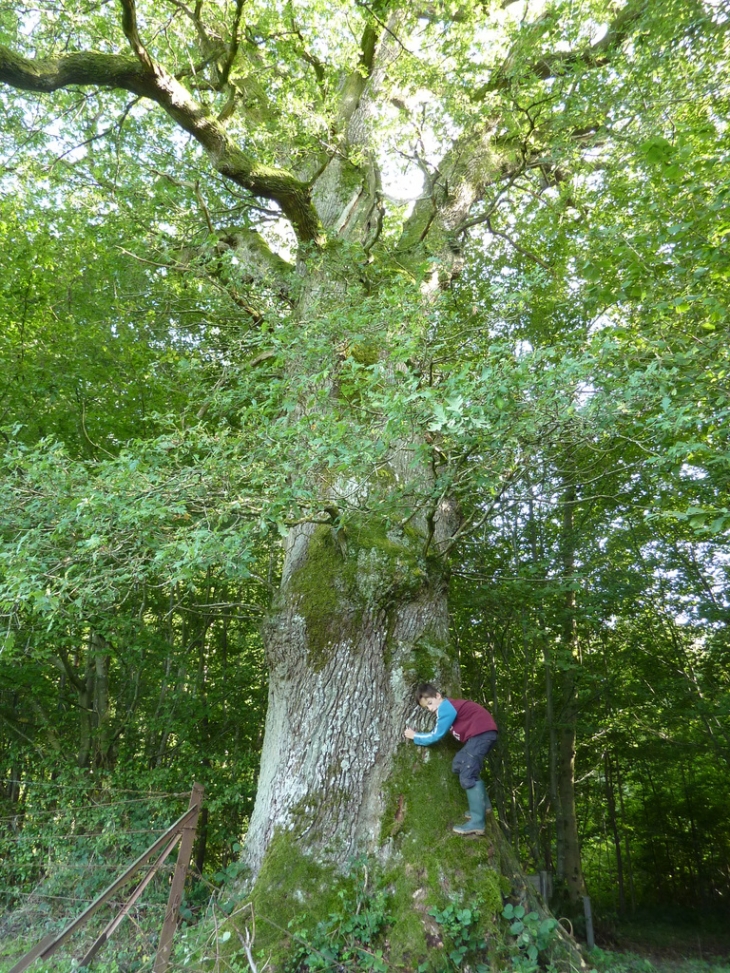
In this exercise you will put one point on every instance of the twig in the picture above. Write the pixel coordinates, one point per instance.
(399, 42)
(88, 437)
(517, 247)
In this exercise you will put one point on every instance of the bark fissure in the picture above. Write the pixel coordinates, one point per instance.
(350, 708)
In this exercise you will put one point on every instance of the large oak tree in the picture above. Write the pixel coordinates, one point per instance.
(345, 161)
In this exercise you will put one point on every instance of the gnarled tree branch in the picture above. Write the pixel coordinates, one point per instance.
(595, 55)
(46, 75)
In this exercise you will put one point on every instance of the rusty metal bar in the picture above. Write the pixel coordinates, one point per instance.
(162, 960)
(117, 920)
(51, 943)
(33, 954)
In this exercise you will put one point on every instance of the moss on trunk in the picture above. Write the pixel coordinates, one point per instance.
(351, 570)
(351, 820)
(422, 874)
(428, 866)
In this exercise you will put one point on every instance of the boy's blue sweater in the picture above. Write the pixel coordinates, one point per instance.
(445, 716)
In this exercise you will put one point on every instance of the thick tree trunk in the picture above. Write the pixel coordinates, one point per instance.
(361, 618)
(362, 610)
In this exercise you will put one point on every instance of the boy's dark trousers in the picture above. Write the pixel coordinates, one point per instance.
(469, 760)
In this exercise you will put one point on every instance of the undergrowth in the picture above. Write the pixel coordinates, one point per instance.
(610, 961)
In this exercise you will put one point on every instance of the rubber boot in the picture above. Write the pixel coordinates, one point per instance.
(478, 802)
(467, 814)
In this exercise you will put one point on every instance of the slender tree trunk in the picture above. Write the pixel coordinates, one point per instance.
(102, 717)
(201, 842)
(502, 755)
(509, 813)
(96, 733)
(527, 693)
(552, 863)
(627, 838)
(553, 766)
(85, 695)
(700, 892)
(611, 803)
(573, 876)
(12, 786)
(566, 791)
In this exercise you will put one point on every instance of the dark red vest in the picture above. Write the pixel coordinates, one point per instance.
(471, 718)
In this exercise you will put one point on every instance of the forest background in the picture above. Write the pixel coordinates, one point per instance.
(178, 399)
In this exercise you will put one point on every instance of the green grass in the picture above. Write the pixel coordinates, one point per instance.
(671, 934)
(609, 961)
(669, 940)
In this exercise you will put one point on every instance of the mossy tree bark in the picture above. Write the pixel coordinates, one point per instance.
(343, 650)
(415, 857)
